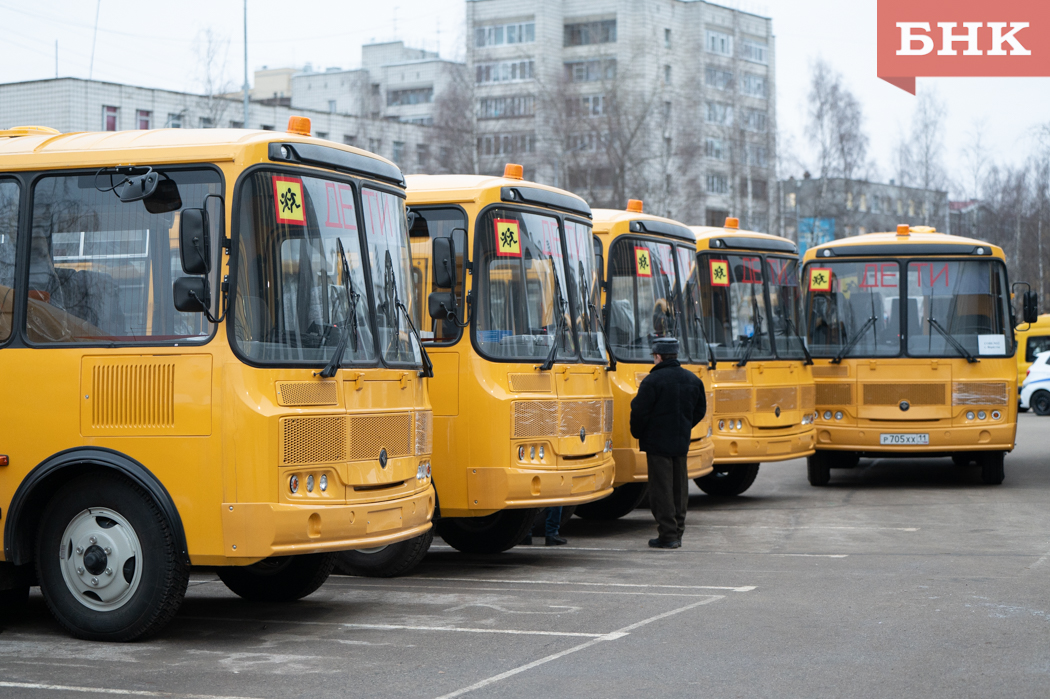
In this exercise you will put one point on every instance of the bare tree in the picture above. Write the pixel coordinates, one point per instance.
(456, 124)
(976, 157)
(927, 148)
(212, 51)
(836, 125)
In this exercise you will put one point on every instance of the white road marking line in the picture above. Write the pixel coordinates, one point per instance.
(744, 588)
(121, 692)
(717, 553)
(540, 547)
(619, 633)
(816, 526)
(500, 589)
(400, 627)
(1041, 561)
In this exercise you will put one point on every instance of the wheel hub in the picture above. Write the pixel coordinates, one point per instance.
(99, 556)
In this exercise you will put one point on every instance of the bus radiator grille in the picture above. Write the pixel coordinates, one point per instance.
(580, 414)
(807, 398)
(370, 434)
(535, 418)
(894, 393)
(979, 394)
(424, 432)
(133, 396)
(738, 374)
(529, 383)
(313, 440)
(769, 399)
(834, 394)
(732, 400)
(307, 393)
(831, 372)
(608, 416)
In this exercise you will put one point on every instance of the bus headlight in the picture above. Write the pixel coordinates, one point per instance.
(310, 483)
(996, 415)
(521, 453)
(827, 414)
(981, 415)
(541, 452)
(969, 415)
(608, 446)
(806, 419)
(322, 482)
(293, 484)
(739, 424)
(838, 415)
(423, 471)
(532, 453)
(721, 425)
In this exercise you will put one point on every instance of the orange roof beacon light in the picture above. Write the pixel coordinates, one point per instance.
(903, 229)
(299, 125)
(732, 222)
(513, 172)
(634, 206)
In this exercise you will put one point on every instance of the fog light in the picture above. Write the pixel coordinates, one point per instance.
(323, 482)
(969, 415)
(310, 483)
(423, 471)
(838, 415)
(981, 415)
(521, 453)
(806, 419)
(293, 484)
(732, 425)
(721, 424)
(739, 424)
(532, 453)
(996, 415)
(608, 445)
(827, 414)
(541, 452)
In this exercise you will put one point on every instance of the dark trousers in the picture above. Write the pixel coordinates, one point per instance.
(668, 494)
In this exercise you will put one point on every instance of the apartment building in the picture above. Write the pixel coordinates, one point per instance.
(672, 101)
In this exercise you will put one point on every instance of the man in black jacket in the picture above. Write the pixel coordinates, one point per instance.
(669, 403)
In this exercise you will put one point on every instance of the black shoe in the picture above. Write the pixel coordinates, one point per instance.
(527, 541)
(556, 540)
(660, 544)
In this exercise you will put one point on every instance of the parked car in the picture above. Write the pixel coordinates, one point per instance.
(1035, 391)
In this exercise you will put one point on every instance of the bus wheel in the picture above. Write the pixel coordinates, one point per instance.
(818, 469)
(1040, 402)
(494, 533)
(385, 561)
(991, 462)
(280, 578)
(728, 480)
(623, 500)
(107, 561)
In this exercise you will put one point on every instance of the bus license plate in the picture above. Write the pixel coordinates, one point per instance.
(900, 438)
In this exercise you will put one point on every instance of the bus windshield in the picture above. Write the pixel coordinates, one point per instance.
(524, 302)
(853, 308)
(693, 348)
(785, 300)
(641, 298)
(732, 289)
(962, 300)
(293, 301)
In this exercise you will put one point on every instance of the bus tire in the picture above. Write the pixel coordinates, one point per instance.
(386, 561)
(623, 500)
(279, 578)
(731, 481)
(992, 471)
(1040, 402)
(818, 469)
(102, 532)
(493, 533)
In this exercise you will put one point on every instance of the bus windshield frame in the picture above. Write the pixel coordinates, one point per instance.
(776, 329)
(263, 291)
(535, 250)
(898, 326)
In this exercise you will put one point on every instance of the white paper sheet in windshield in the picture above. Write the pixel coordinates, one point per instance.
(991, 344)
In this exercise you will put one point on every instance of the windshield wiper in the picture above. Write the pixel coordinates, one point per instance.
(553, 354)
(952, 341)
(751, 341)
(837, 359)
(351, 302)
(794, 331)
(391, 280)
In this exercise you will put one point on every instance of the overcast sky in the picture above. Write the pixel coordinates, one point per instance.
(157, 46)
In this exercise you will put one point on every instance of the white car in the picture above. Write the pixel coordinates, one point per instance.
(1035, 391)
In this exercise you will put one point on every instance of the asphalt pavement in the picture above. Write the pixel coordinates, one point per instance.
(901, 578)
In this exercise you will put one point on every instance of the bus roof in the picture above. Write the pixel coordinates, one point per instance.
(920, 240)
(447, 189)
(712, 237)
(606, 219)
(39, 149)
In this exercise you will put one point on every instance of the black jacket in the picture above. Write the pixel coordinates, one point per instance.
(669, 403)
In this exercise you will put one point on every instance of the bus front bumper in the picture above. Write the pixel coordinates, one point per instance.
(494, 489)
(742, 449)
(633, 467)
(943, 439)
(263, 529)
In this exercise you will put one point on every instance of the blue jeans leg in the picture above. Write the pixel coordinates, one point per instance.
(553, 521)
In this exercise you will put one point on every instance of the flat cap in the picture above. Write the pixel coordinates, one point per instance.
(665, 345)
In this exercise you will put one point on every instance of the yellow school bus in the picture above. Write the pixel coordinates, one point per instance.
(651, 290)
(208, 361)
(751, 317)
(912, 335)
(1032, 339)
(522, 405)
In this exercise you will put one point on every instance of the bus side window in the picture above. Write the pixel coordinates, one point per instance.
(1035, 345)
(9, 195)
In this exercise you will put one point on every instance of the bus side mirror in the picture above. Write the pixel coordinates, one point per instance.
(194, 241)
(1030, 307)
(190, 294)
(444, 255)
(441, 305)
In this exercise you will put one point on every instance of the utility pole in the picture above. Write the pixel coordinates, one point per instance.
(94, 39)
(56, 58)
(245, 123)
